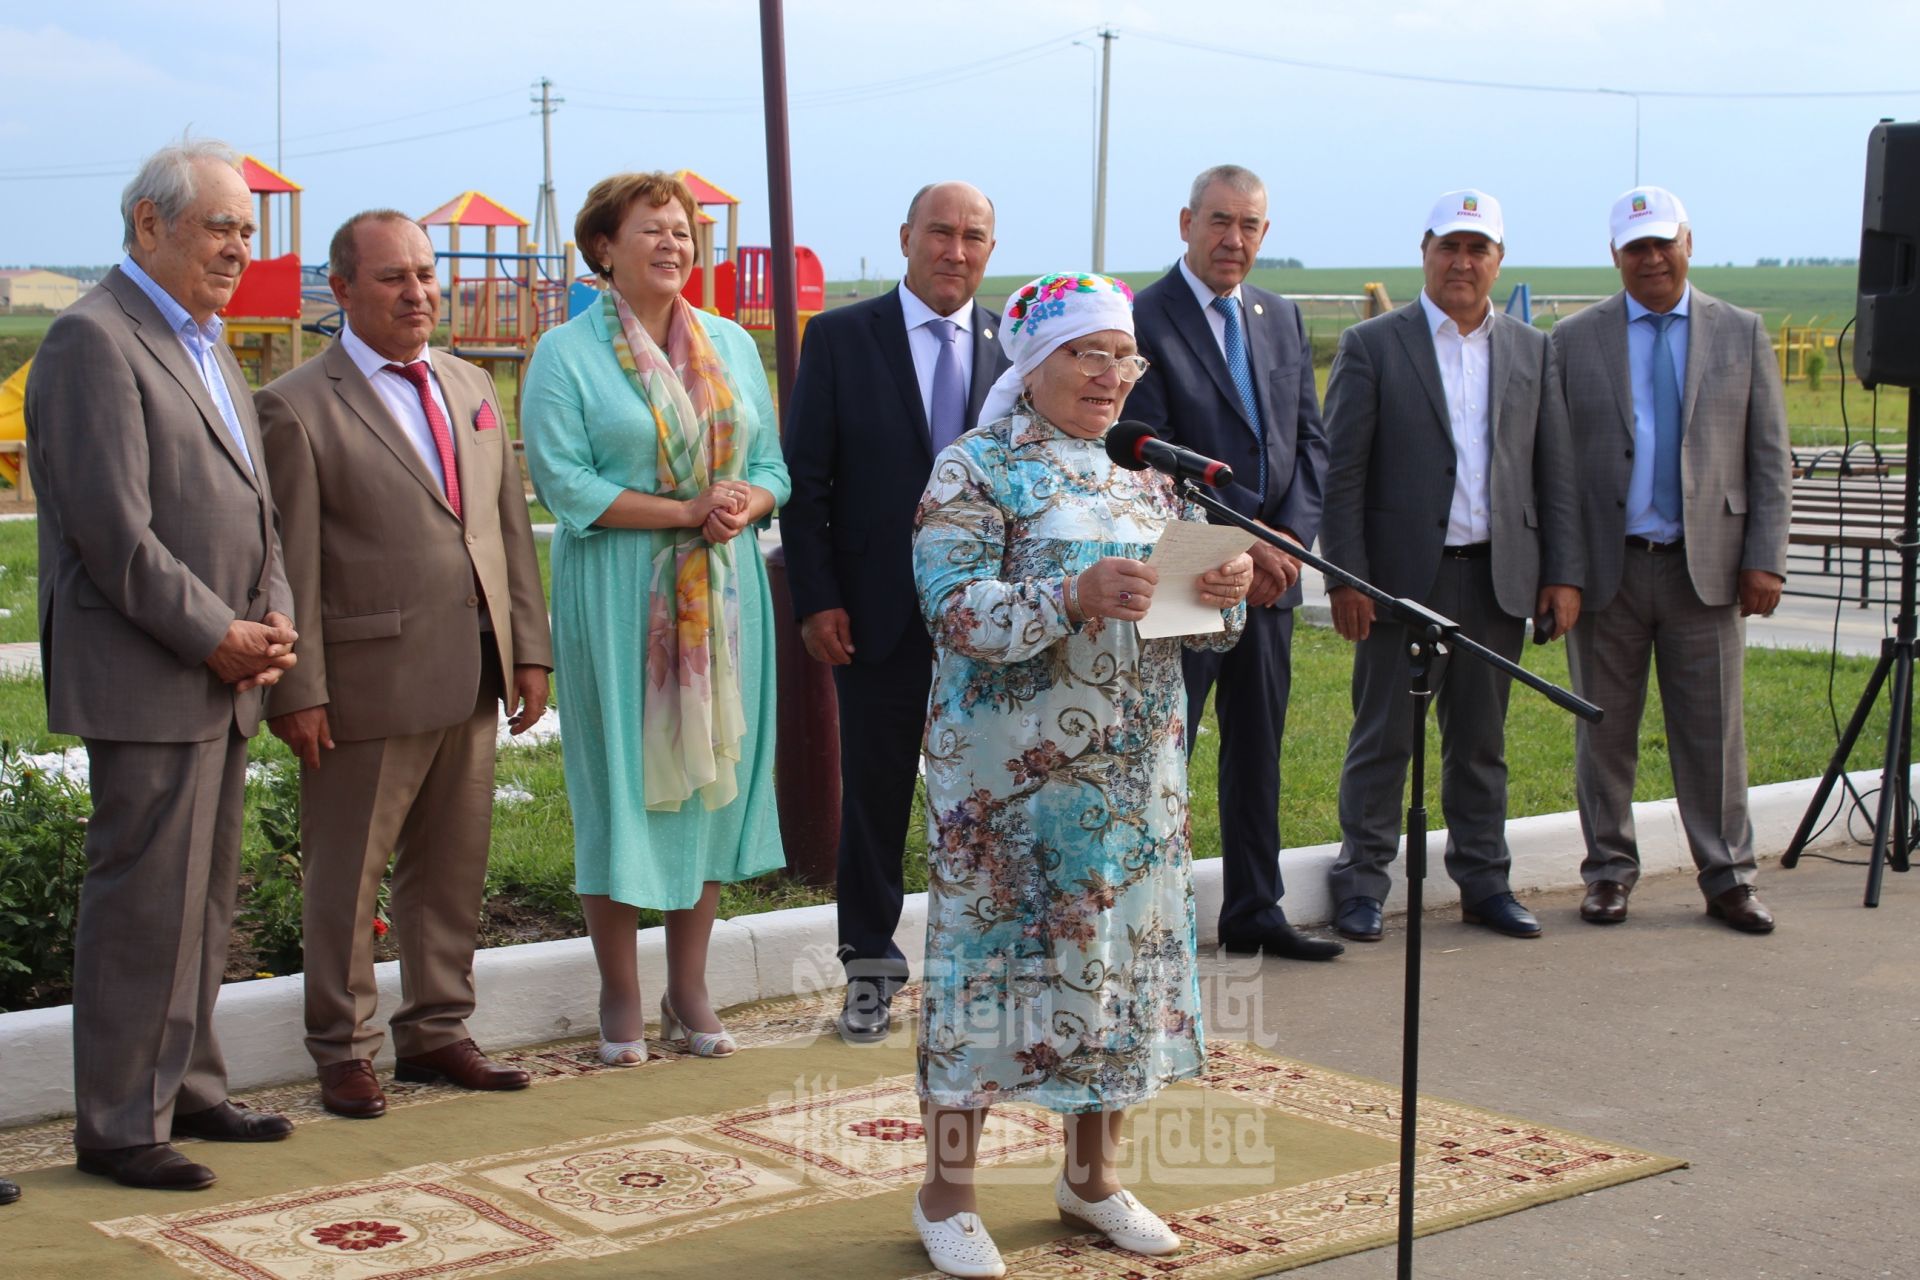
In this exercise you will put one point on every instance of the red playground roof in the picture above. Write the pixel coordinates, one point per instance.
(704, 192)
(471, 209)
(263, 179)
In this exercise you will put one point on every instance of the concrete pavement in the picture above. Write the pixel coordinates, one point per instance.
(1780, 1066)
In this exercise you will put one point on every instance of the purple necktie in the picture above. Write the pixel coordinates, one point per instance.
(949, 392)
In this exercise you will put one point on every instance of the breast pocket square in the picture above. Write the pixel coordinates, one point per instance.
(484, 419)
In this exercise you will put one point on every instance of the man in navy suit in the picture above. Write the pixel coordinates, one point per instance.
(1232, 378)
(882, 387)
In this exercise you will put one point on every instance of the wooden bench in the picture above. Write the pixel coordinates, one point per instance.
(1841, 514)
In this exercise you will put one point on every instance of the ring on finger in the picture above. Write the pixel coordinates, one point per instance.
(1125, 596)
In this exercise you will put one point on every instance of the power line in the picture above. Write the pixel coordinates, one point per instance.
(1518, 87)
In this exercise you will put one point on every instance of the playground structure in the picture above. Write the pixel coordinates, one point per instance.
(263, 316)
(740, 285)
(1807, 351)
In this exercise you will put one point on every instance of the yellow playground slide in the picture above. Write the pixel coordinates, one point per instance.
(13, 420)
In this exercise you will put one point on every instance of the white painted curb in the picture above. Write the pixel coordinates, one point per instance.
(543, 991)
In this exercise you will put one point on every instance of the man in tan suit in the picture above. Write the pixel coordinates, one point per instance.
(409, 548)
(1685, 479)
(164, 611)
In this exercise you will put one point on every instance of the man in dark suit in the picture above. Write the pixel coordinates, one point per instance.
(1232, 378)
(164, 614)
(882, 387)
(1686, 486)
(1450, 482)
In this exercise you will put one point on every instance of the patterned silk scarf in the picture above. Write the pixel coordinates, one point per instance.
(694, 719)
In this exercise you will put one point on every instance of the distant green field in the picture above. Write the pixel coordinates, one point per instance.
(24, 326)
(1806, 295)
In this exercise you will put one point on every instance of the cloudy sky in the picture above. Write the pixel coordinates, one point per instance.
(886, 96)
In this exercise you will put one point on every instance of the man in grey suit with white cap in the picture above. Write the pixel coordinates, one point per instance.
(1450, 482)
(1685, 471)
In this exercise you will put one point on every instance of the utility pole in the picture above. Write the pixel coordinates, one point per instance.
(546, 222)
(1107, 36)
(279, 99)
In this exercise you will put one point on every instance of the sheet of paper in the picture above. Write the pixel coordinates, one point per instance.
(1185, 551)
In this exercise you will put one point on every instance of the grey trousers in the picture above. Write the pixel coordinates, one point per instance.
(1700, 652)
(1470, 699)
(150, 946)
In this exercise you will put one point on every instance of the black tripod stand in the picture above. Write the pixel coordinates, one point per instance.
(1892, 836)
(1428, 636)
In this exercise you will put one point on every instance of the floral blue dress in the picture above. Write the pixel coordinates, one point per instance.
(1060, 918)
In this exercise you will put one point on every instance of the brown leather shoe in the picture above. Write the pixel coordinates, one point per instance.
(350, 1089)
(155, 1167)
(1741, 909)
(1605, 903)
(9, 1191)
(459, 1063)
(231, 1122)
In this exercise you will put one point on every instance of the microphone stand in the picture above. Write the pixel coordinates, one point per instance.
(1429, 635)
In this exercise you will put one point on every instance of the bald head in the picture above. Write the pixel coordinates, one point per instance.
(947, 239)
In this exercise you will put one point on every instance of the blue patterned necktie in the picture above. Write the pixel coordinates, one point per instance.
(949, 418)
(1666, 423)
(1243, 378)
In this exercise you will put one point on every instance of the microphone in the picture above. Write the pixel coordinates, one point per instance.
(1133, 445)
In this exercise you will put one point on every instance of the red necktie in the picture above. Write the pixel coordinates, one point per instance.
(416, 373)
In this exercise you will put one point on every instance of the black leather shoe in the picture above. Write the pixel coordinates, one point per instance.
(9, 1191)
(1280, 939)
(1359, 919)
(231, 1122)
(1605, 903)
(1742, 910)
(867, 1017)
(1503, 913)
(154, 1167)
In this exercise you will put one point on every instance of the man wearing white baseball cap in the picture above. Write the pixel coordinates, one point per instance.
(1451, 482)
(1681, 436)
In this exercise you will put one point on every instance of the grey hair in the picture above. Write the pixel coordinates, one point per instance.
(1235, 177)
(343, 253)
(167, 178)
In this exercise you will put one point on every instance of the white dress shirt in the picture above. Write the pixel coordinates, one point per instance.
(1642, 520)
(926, 346)
(1466, 366)
(1205, 296)
(400, 398)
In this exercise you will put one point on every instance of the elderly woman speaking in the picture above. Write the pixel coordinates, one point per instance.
(1060, 934)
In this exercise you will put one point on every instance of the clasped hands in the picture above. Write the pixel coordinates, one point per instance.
(251, 655)
(722, 511)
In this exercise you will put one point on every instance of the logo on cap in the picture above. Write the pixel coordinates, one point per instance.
(1470, 205)
(1639, 203)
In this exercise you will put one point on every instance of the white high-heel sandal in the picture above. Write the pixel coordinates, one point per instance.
(701, 1044)
(613, 1053)
(960, 1245)
(1120, 1218)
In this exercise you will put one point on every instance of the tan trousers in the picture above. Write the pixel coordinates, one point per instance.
(426, 801)
(150, 946)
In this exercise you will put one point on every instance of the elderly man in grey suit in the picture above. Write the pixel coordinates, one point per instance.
(1685, 470)
(1450, 482)
(164, 612)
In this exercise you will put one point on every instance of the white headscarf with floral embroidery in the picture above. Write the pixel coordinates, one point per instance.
(1044, 313)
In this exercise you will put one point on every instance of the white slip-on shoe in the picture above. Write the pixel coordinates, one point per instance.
(1120, 1218)
(960, 1245)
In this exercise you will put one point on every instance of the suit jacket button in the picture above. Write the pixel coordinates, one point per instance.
(1439, 524)
(1629, 453)
(1449, 471)
(253, 593)
(470, 539)
(473, 601)
(1618, 502)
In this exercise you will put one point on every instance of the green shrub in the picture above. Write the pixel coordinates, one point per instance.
(271, 910)
(1816, 366)
(43, 831)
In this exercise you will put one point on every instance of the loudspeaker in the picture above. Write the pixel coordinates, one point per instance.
(1886, 346)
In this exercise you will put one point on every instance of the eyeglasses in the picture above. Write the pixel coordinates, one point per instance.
(1094, 364)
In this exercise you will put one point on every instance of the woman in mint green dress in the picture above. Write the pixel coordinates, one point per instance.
(651, 437)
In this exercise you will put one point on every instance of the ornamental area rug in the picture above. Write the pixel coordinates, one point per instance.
(795, 1157)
